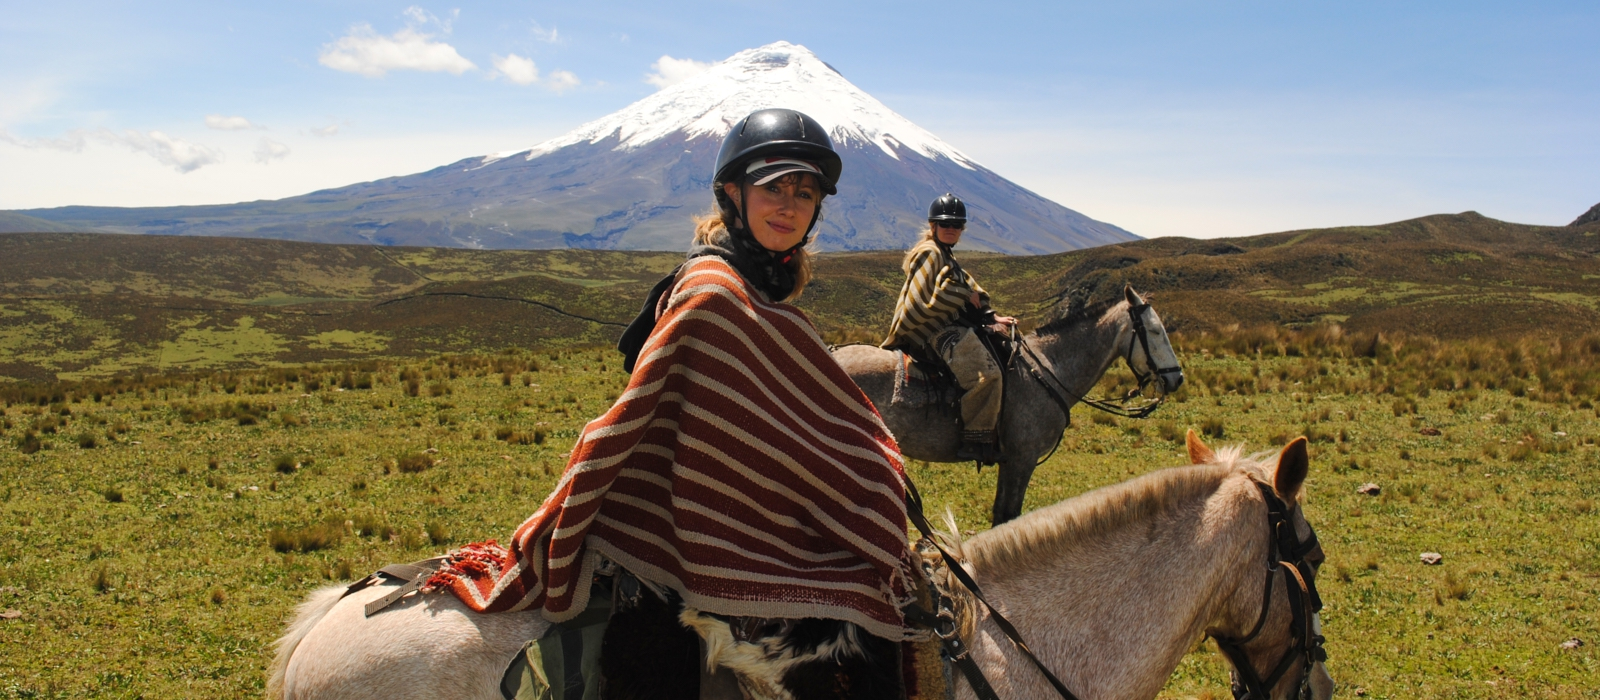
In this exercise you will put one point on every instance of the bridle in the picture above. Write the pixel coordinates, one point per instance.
(1292, 557)
(1142, 334)
(1054, 388)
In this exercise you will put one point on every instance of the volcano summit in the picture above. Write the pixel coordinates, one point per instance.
(633, 179)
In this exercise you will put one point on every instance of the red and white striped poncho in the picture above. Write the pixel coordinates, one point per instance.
(742, 467)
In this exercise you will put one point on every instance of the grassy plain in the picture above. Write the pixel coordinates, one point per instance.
(154, 538)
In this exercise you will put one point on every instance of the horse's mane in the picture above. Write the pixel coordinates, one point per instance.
(1077, 315)
(1039, 536)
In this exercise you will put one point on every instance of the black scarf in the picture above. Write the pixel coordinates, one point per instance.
(759, 267)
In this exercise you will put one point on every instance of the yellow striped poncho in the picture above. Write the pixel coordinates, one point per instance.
(936, 292)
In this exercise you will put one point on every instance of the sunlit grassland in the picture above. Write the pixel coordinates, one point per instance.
(156, 537)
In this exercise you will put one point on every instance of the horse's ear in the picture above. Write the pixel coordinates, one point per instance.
(1131, 296)
(1293, 465)
(1198, 452)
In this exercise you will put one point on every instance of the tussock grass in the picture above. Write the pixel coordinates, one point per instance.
(413, 462)
(1510, 531)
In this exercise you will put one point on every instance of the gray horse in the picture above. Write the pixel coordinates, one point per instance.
(1077, 350)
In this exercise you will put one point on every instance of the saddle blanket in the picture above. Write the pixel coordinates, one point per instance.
(915, 387)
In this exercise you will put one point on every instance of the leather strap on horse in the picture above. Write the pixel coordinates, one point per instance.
(953, 645)
(1288, 554)
(411, 576)
(1055, 387)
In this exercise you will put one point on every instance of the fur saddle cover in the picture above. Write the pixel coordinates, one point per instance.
(922, 383)
(789, 659)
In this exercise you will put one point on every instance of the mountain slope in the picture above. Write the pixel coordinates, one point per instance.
(633, 180)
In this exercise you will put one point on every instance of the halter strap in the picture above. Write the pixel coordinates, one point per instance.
(1287, 554)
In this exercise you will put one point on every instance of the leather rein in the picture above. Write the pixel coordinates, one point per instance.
(1290, 556)
(1054, 388)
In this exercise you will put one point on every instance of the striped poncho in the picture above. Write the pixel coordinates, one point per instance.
(742, 468)
(935, 293)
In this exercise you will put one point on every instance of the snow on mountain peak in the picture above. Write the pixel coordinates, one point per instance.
(780, 74)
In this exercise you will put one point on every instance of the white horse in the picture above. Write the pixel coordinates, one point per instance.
(1110, 589)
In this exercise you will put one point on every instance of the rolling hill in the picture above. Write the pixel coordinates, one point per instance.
(81, 305)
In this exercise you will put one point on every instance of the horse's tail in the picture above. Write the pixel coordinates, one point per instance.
(315, 607)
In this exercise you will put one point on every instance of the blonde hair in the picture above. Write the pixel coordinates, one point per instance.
(711, 228)
(926, 239)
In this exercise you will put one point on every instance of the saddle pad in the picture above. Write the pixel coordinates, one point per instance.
(914, 387)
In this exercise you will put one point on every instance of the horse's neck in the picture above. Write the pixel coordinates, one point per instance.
(1112, 613)
(1080, 353)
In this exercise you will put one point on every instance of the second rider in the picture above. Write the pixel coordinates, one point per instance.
(939, 316)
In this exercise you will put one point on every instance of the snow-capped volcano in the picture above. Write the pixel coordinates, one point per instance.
(775, 75)
(635, 178)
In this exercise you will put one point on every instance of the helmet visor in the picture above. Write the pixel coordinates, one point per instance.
(764, 170)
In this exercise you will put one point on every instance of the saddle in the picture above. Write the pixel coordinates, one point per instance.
(634, 642)
(921, 377)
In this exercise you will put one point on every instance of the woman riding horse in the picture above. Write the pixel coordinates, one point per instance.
(940, 310)
(742, 484)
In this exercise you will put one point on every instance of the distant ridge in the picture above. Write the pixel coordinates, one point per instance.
(633, 179)
(1588, 217)
(78, 305)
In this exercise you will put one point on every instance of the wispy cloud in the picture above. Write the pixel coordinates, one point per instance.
(671, 71)
(516, 69)
(365, 52)
(549, 36)
(328, 130)
(420, 17)
(269, 150)
(219, 122)
(72, 141)
(183, 156)
(561, 81)
(523, 71)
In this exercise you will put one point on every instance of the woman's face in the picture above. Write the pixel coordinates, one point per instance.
(947, 233)
(779, 212)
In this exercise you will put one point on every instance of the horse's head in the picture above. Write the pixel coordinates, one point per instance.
(1149, 351)
(1275, 643)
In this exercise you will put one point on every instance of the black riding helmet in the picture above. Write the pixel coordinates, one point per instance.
(776, 133)
(948, 208)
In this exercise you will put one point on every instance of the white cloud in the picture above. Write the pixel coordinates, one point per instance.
(561, 81)
(328, 130)
(419, 16)
(217, 121)
(72, 141)
(270, 150)
(522, 71)
(549, 36)
(365, 52)
(671, 71)
(516, 69)
(183, 156)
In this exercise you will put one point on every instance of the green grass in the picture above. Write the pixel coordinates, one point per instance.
(177, 586)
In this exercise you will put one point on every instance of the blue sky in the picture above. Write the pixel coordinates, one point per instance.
(1167, 118)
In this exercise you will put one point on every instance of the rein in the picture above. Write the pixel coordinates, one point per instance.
(1288, 555)
(943, 621)
(1055, 387)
